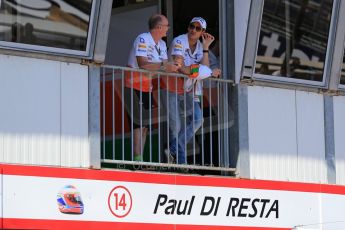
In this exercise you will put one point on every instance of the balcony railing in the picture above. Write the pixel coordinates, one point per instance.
(125, 112)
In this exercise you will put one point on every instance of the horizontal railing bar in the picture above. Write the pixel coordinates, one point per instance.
(162, 73)
(165, 165)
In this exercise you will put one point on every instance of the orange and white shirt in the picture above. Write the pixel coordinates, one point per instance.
(180, 46)
(144, 46)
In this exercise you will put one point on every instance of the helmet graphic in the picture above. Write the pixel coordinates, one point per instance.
(69, 200)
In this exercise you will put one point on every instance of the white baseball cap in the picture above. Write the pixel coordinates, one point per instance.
(201, 21)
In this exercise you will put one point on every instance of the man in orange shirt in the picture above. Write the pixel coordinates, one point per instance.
(148, 52)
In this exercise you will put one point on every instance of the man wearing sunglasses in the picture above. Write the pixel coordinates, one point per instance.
(148, 52)
(186, 50)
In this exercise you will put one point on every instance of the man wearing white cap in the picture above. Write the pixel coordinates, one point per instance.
(186, 51)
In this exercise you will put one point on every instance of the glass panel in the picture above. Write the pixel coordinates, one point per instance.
(293, 38)
(342, 78)
(51, 23)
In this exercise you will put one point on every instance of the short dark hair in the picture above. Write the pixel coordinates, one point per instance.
(154, 21)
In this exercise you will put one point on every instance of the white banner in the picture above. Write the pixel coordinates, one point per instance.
(32, 197)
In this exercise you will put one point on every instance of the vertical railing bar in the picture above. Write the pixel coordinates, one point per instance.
(176, 111)
(113, 110)
(185, 118)
(141, 117)
(202, 124)
(159, 120)
(150, 118)
(210, 117)
(168, 114)
(218, 120)
(123, 116)
(132, 117)
(226, 127)
(194, 82)
(103, 110)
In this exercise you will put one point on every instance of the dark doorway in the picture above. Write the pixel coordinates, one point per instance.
(184, 11)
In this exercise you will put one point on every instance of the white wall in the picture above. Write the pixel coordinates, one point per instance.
(74, 115)
(286, 135)
(44, 112)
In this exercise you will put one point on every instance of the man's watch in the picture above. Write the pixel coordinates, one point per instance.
(205, 51)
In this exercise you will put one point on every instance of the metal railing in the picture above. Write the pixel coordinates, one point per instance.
(128, 112)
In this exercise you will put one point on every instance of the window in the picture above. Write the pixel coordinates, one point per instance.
(57, 26)
(293, 39)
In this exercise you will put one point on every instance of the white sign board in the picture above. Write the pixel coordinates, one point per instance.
(40, 197)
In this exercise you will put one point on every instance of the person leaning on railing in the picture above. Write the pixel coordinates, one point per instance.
(148, 52)
(186, 51)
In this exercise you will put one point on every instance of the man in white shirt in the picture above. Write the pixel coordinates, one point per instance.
(148, 52)
(187, 51)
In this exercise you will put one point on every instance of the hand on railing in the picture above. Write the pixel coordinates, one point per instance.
(171, 67)
(178, 61)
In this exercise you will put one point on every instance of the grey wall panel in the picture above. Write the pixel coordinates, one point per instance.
(339, 134)
(310, 137)
(74, 115)
(30, 105)
(44, 112)
(286, 135)
(272, 133)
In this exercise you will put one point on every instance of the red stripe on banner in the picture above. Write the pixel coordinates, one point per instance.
(171, 179)
(13, 223)
(89, 174)
(250, 184)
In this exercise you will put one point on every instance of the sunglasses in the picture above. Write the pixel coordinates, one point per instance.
(197, 28)
(164, 25)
